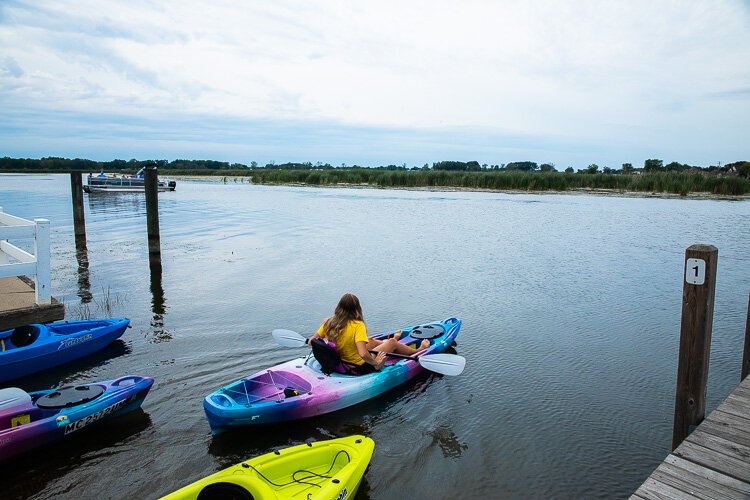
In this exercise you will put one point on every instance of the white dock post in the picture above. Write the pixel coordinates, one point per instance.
(3, 258)
(42, 251)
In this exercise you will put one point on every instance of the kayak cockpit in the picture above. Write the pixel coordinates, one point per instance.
(18, 337)
(271, 385)
(65, 328)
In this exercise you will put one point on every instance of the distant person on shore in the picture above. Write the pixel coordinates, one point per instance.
(346, 329)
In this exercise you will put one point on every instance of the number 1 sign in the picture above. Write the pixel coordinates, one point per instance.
(695, 271)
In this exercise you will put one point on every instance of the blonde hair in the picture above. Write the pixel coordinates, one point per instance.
(348, 309)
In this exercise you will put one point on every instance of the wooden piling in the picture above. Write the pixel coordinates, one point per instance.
(746, 355)
(151, 179)
(699, 286)
(79, 222)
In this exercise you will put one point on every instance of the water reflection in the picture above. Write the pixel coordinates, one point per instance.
(84, 282)
(237, 445)
(118, 202)
(32, 475)
(80, 370)
(158, 306)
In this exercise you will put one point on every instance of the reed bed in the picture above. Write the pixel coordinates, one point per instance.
(657, 182)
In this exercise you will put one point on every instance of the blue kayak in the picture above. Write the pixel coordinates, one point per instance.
(32, 348)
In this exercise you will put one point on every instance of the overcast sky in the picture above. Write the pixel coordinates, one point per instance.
(377, 82)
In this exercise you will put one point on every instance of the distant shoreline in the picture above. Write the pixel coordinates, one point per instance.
(530, 179)
(703, 195)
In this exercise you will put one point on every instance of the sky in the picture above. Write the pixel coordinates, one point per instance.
(377, 82)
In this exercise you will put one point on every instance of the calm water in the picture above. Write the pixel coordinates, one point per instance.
(570, 307)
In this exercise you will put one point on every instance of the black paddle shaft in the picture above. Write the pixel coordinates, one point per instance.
(395, 355)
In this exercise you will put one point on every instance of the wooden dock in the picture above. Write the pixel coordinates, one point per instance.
(713, 461)
(18, 307)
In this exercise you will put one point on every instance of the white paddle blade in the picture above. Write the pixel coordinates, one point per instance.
(288, 338)
(447, 364)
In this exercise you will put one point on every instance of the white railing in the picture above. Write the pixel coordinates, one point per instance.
(17, 262)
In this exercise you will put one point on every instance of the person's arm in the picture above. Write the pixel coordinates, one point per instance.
(376, 361)
(318, 333)
(315, 335)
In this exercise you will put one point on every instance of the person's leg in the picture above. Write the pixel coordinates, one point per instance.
(373, 343)
(393, 345)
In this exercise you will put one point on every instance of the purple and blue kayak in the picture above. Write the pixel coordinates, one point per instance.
(298, 388)
(29, 420)
(32, 348)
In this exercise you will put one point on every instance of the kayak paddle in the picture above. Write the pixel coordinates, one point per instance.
(446, 364)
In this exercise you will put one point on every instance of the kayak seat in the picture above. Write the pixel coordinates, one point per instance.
(12, 397)
(328, 357)
(224, 491)
(24, 335)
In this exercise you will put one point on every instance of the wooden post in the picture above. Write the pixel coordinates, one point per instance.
(699, 285)
(151, 179)
(79, 222)
(746, 355)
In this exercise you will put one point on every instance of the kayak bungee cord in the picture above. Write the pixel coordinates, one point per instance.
(301, 481)
(315, 474)
(273, 383)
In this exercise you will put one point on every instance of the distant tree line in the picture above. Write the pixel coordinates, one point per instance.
(731, 179)
(740, 168)
(64, 164)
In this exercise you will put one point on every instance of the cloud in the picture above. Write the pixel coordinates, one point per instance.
(9, 67)
(642, 73)
(741, 94)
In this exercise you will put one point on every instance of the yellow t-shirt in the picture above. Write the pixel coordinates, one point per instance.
(346, 343)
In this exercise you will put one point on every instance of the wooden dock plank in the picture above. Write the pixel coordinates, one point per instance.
(699, 481)
(735, 407)
(728, 426)
(710, 474)
(713, 461)
(725, 446)
(743, 389)
(652, 489)
(693, 486)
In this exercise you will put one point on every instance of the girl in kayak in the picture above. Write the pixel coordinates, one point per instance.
(346, 328)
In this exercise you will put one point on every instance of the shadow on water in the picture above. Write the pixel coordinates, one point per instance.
(447, 440)
(363, 493)
(158, 306)
(32, 475)
(74, 371)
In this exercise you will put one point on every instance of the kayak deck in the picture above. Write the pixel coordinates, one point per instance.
(316, 470)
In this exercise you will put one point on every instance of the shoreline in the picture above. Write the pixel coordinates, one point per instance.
(241, 179)
(575, 192)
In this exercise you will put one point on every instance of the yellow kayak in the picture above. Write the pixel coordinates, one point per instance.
(330, 470)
